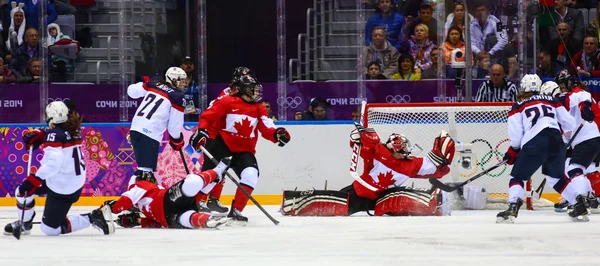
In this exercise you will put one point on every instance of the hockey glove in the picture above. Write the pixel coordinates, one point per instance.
(586, 111)
(30, 185)
(34, 138)
(199, 138)
(282, 136)
(443, 150)
(511, 155)
(176, 144)
(128, 220)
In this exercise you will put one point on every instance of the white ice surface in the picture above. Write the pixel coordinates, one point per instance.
(466, 238)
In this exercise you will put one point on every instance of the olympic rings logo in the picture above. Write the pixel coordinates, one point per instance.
(481, 163)
(397, 98)
(56, 100)
(289, 102)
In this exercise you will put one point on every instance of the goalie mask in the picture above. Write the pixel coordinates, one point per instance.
(177, 78)
(399, 143)
(57, 113)
(248, 85)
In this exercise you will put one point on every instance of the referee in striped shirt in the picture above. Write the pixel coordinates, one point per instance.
(498, 88)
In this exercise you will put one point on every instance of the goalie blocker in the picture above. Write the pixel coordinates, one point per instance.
(397, 201)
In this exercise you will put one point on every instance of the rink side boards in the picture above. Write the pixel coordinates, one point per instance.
(318, 152)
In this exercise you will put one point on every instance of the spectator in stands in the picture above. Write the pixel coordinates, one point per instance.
(317, 110)
(453, 41)
(594, 25)
(426, 18)
(482, 67)
(59, 63)
(409, 8)
(25, 52)
(6, 75)
(436, 70)
(513, 69)
(267, 105)
(380, 50)
(15, 33)
(484, 34)
(457, 18)
(32, 9)
(407, 69)
(298, 116)
(498, 88)
(32, 73)
(571, 16)
(564, 47)
(191, 93)
(548, 68)
(586, 63)
(420, 47)
(374, 71)
(391, 22)
(356, 114)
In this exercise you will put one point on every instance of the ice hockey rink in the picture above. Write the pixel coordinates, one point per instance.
(540, 237)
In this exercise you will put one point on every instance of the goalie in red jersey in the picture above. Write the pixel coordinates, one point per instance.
(386, 167)
(238, 119)
(175, 207)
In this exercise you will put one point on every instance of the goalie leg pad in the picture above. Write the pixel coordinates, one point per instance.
(314, 203)
(402, 201)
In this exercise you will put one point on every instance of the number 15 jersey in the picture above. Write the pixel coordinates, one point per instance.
(161, 109)
(527, 118)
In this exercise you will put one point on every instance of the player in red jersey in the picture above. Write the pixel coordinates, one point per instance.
(212, 200)
(238, 119)
(174, 207)
(386, 167)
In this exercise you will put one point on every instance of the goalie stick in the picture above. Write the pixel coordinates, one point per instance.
(437, 183)
(354, 161)
(240, 187)
(537, 193)
(16, 232)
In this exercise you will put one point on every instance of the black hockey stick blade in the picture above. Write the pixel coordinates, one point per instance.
(17, 229)
(187, 170)
(437, 183)
(537, 194)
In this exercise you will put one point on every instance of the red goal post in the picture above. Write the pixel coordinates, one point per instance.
(479, 127)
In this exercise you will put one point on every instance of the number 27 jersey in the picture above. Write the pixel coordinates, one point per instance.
(528, 118)
(161, 109)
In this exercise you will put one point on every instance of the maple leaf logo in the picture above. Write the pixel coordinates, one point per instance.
(386, 179)
(244, 128)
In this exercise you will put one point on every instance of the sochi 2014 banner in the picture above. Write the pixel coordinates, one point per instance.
(109, 159)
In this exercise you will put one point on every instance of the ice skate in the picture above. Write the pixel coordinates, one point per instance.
(215, 205)
(25, 229)
(561, 206)
(511, 213)
(237, 217)
(101, 219)
(580, 212)
(216, 221)
(594, 204)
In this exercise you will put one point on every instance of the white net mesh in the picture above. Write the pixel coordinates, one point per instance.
(485, 127)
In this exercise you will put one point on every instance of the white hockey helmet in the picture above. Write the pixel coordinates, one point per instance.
(176, 77)
(550, 88)
(531, 83)
(57, 113)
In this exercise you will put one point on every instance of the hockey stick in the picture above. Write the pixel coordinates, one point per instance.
(354, 161)
(187, 170)
(437, 183)
(17, 230)
(240, 187)
(537, 193)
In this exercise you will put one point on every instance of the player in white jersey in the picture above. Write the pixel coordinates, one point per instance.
(534, 129)
(161, 109)
(61, 177)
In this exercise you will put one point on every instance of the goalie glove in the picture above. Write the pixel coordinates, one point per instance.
(282, 136)
(443, 150)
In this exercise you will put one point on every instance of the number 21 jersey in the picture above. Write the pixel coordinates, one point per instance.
(528, 118)
(161, 109)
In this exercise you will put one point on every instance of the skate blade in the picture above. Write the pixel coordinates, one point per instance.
(107, 213)
(237, 223)
(23, 233)
(595, 211)
(501, 220)
(216, 223)
(560, 210)
(581, 219)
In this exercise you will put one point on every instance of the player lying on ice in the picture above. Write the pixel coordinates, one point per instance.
(175, 207)
(386, 167)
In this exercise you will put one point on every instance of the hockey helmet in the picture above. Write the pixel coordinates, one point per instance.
(238, 73)
(57, 113)
(531, 83)
(399, 143)
(248, 85)
(176, 77)
(565, 80)
(141, 175)
(550, 88)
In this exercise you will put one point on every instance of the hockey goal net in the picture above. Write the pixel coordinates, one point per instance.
(483, 125)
